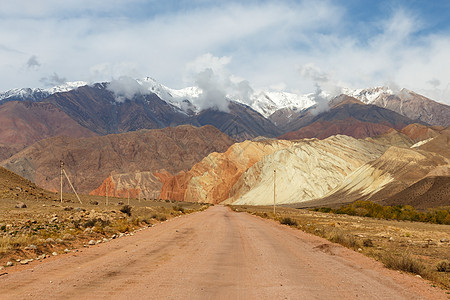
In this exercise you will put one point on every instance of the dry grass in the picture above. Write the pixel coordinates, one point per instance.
(51, 226)
(414, 247)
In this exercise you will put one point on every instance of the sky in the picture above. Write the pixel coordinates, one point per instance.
(284, 45)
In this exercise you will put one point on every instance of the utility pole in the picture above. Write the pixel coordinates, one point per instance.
(128, 194)
(61, 168)
(274, 179)
(106, 192)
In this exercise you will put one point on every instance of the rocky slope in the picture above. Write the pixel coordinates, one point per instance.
(305, 171)
(24, 123)
(145, 185)
(350, 127)
(211, 179)
(406, 103)
(432, 191)
(396, 170)
(96, 108)
(90, 160)
(418, 132)
(365, 120)
(13, 186)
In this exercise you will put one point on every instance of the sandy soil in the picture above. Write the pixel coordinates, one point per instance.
(215, 254)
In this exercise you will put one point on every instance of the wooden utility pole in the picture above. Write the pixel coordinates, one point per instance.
(61, 166)
(128, 194)
(106, 192)
(274, 190)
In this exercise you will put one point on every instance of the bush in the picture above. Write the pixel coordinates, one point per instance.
(126, 209)
(397, 212)
(443, 266)
(367, 243)
(346, 240)
(288, 221)
(403, 262)
(178, 208)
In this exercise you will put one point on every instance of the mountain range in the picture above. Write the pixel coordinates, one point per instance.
(145, 139)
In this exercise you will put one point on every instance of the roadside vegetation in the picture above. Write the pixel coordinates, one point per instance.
(47, 228)
(398, 212)
(415, 247)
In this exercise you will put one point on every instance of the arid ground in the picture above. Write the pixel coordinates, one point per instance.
(214, 254)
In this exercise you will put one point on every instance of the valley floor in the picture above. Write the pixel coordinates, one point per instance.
(214, 254)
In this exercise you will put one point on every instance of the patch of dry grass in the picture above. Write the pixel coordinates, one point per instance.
(52, 226)
(414, 247)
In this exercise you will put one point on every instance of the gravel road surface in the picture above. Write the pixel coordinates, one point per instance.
(214, 254)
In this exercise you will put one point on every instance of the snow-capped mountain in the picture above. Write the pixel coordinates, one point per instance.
(265, 102)
(369, 95)
(37, 94)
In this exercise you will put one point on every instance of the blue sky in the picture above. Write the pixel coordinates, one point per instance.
(280, 45)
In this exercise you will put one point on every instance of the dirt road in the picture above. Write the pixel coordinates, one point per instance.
(215, 254)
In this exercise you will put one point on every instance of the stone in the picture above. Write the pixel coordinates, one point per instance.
(54, 253)
(444, 240)
(9, 264)
(66, 250)
(21, 205)
(68, 237)
(50, 240)
(31, 247)
(91, 242)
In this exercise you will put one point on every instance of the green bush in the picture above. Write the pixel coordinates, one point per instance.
(397, 212)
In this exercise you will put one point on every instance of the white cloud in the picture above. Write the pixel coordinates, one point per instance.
(265, 42)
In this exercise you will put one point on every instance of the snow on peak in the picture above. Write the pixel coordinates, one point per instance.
(68, 86)
(37, 94)
(267, 102)
(369, 95)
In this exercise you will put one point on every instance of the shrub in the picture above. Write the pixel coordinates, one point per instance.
(397, 212)
(346, 240)
(367, 243)
(178, 208)
(403, 262)
(443, 266)
(126, 209)
(288, 221)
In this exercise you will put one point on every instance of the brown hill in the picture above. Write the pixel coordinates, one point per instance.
(12, 186)
(419, 132)
(349, 126)
(372, 120)
(392, 138)
(429, 192)
(90, 160)
(24, 123)
(439, 144)
(416, 107)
